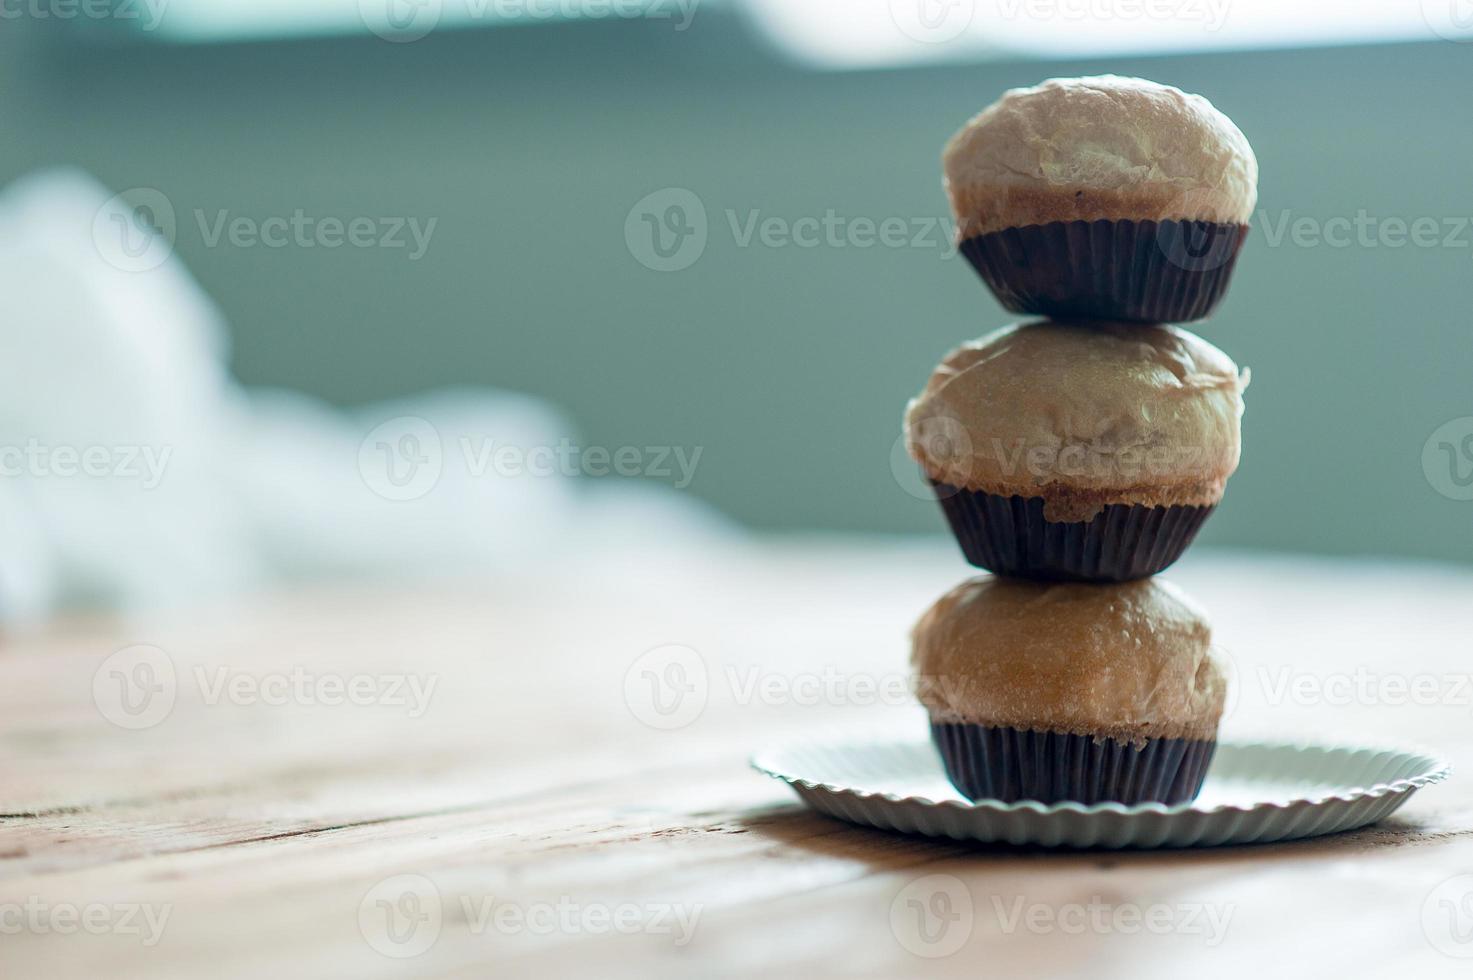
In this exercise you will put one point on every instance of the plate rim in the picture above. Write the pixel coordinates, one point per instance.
(1437, 769)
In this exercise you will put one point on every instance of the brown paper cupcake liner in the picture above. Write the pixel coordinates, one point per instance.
(1010, 536)
(1012, 764)
(1167, 271)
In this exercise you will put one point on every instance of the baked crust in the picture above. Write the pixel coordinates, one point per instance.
(1130, 661)
(1083, 415)
(1102, 147)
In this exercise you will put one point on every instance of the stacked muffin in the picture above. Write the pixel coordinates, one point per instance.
(1077, 456)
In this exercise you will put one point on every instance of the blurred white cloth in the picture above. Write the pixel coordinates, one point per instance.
(135, 472)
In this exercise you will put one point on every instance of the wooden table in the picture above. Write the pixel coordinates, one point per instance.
(541, 816)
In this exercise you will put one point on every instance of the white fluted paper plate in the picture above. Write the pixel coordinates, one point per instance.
(1254, 793)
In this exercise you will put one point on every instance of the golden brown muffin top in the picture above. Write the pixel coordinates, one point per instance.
(1103, 147)
(1082, 414)
(1129, 661)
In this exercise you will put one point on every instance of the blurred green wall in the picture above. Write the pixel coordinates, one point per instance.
(790, 366)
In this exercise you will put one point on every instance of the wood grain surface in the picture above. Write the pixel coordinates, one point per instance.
(485, 779)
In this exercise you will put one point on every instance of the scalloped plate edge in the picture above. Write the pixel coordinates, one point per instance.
(1107, 824)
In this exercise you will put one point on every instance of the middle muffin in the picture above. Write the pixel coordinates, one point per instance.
(1079, 451)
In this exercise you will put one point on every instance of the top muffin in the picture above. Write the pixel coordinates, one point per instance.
(1098, 148)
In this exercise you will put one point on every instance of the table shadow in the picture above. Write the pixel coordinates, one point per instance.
(794, 825)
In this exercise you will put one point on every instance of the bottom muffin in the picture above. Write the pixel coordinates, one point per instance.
(1070, 692)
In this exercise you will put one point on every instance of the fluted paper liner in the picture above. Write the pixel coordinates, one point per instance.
(1010, 536)
(1012, 764)
(1160, 272)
